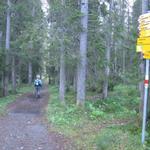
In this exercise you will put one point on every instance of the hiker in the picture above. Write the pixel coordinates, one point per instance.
(37, 85)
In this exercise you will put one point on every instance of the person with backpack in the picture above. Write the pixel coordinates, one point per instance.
(38, 86)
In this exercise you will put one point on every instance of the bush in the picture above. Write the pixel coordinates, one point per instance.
(94, 112)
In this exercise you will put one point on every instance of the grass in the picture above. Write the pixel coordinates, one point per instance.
(102, 124)
(4, 101)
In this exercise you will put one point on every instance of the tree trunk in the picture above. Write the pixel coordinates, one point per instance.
(62, 73)
(30, 73)
(13, 71)
(107, 54)
(144, 6)
(62, 77)
(81, 70)
(1, 36)
(122, 24)
(19, 73)
(2, 84)
(49, 79)
(107, 71)
(96, 76)
(75, 81)
(6, 74)
(115, 66)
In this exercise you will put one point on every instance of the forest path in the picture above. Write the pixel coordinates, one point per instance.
(24, 128)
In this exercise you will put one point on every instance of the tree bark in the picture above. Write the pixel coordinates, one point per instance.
(7, 46)
(62, 78)
(62, 73)
(107, 54)
(1, 35)
(19, 73)
(124, 50)
(13, 71)
(30, 73)
(81, 70)
(2, 77)
(144, 6)
(75, 81)
(107, 71)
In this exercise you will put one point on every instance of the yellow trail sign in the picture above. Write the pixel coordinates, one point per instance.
(146, 56)
(143, 41)
(146, 49)
(138, 48)
(144, 20)
(144, 16)
(143, 48)
(145, 33)
(144, 23)
(144, 27)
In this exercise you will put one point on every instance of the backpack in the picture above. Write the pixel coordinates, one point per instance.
(37, 83)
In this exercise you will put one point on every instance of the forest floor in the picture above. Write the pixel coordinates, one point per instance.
(46, 124)
(24, 126)
(110, 124)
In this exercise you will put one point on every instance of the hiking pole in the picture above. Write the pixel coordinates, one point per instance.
(145, 100)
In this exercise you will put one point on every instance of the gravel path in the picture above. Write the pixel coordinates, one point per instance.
(24, 129)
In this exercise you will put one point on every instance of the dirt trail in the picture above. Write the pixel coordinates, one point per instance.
(24, 129)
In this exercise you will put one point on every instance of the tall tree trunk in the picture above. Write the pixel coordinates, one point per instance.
(144, 6)
(2, 83)
(107, 71)
(96, 76)
(1, 36)
(115, 66)
(13, 74)
(6, 74)
(107, 54)
(29, 72)
(62, 73)
(62, 78)
(81, 70)
(75, 81)
(122, 24)
(19, 73)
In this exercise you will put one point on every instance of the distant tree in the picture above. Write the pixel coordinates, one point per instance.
(7, 46)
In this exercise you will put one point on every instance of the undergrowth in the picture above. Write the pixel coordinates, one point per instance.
(94, 125)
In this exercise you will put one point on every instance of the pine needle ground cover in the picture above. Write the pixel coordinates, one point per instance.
(112, 123)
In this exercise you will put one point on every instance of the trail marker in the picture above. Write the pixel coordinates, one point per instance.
(144, 20)
(144, 27)
(144, 40)
(143, 16)
(138, 48)
(145, 33)
(146, 56)
(143, 45)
